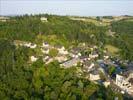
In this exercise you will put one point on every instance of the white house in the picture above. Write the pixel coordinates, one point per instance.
(70, 63)
(106, 83)
(47, 59)
(44, 19)
(93, 55)
(94, 77)
(62, 50)
(33, 58)
(32, 46)
(46, 45)
(61, 58)
(79, 54)
(120, 80)
(4, 19)
(26, 44)
(45, 51)
(106, 57)
(95, 47)
(90, 67)
(124, 84)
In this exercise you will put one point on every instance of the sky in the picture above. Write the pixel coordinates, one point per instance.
(67, 7)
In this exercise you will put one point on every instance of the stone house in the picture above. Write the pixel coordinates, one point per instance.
(62, 50)
(94, 77)
(45, 45)
(70, 63)
(44, 19)
(45, 50)
(33, 58)
(123, 83)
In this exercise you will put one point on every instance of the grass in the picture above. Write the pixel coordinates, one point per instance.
(90, 20)
(53, 40)
(129, 19)
(112, 49)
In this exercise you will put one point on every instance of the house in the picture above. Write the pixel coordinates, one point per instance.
(45, 50)
(87, 66)
(32, 46)
(61, 58)
(93, 55)
(106, 57)
(75, 52)
(62, 50)
(45, 45)
(90, 67)
(106, 83)
(124, 84)
(33, 58)
(91, 48)
(79, 54)
(44, 19)
(47, 59)
(94, 77)
(70, 63)
(84, 58)
(95, 47)
(4, 19)
(25, 44)
(73, 55)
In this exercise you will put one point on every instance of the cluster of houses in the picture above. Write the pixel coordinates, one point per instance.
(4, 19)
(91, 64)
(126, 84)
(25, 44)
(45, 49)
(61, 56)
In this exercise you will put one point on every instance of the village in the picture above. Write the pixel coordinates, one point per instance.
(66, 50)
(91, 62)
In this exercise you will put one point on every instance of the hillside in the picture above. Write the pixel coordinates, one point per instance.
(30, 48)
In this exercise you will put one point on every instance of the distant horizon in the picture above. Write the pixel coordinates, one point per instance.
(13, 15)
(66, 8)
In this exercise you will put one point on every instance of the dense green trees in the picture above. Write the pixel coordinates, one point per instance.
(123, 26)
(6, 56)
(124, 37)
(14, 77)
(23, 28)
(28, 27)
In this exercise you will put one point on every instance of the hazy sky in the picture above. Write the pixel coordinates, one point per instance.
(67, 7)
